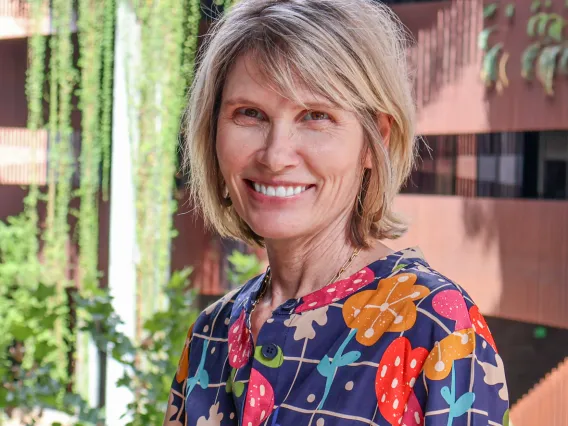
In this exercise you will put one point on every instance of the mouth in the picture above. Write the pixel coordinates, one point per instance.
(278, 191)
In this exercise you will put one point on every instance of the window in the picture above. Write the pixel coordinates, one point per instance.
(502, 165)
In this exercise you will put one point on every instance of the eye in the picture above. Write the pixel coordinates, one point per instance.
(251, 113)
(316, 116)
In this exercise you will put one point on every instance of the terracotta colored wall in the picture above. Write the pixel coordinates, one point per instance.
(195, 247)
(545, 404)
(450, 95)
(510, 255)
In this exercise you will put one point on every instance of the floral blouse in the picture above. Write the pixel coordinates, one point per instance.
(394, 344)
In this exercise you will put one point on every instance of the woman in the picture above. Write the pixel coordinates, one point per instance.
(300, 133)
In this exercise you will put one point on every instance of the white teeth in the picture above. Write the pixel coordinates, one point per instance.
(278, 191)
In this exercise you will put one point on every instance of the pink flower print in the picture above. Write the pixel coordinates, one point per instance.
(413, 414)
(260, 400)
(336, 291)
(396, 375)
(450, 304)
(240, 343)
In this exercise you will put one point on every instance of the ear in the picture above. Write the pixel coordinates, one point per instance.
(384, 123)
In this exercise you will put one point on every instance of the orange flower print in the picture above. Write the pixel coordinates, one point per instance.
(455, 346)
(183, 365)
(388, 308)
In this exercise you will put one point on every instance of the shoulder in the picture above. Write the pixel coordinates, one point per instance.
(446, 305)
(217, 316)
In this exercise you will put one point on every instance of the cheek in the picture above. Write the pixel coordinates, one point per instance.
(233, 150)
(337, 157)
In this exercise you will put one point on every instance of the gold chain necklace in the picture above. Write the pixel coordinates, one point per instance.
(268, 280)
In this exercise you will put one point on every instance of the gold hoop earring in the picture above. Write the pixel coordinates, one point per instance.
(227, 202)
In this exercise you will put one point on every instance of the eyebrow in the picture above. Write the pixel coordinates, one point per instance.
(310, 105)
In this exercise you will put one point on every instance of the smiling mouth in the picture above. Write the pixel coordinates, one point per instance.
(280, 191)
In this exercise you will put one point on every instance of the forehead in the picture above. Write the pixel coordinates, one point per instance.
(246, 79)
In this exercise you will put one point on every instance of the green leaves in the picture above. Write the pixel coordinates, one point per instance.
(489, 10)
(563, 62)
(483, 38)
(546, 24)
(528, 59)
(489, 70)
(243, 268)
(546, 67)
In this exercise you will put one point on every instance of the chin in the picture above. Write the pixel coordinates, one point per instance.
(270, 230)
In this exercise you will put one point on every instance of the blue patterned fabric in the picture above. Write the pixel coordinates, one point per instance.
(394, 344)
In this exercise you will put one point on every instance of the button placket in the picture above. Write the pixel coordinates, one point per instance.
(287, 307)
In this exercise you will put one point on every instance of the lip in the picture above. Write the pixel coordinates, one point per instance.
(276, 183)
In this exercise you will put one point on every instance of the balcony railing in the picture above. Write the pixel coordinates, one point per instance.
(16, 22)
(24, 156)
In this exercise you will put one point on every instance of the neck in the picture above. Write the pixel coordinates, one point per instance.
(302, 266)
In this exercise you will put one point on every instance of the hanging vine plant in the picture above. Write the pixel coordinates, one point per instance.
(168, 44)
(106, 91)
(62, 81)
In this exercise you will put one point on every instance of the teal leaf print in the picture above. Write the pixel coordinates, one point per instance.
(328, 368)
(464, 403)
(324, 366)
(457, 408)
(201, 375)
(349, 358)
(204, 379)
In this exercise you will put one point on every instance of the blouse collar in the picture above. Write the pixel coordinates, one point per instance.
(333, 292)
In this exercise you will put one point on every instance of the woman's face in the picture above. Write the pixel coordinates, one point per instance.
(291, 172)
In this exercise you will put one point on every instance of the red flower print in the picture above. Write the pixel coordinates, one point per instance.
(480, 326)
(396, 375)
(450, 304)
(240, 343)
(260, 400)
(336, 291)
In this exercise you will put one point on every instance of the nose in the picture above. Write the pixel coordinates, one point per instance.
(279, 151)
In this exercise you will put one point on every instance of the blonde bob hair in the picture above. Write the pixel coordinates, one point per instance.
(352, 52)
